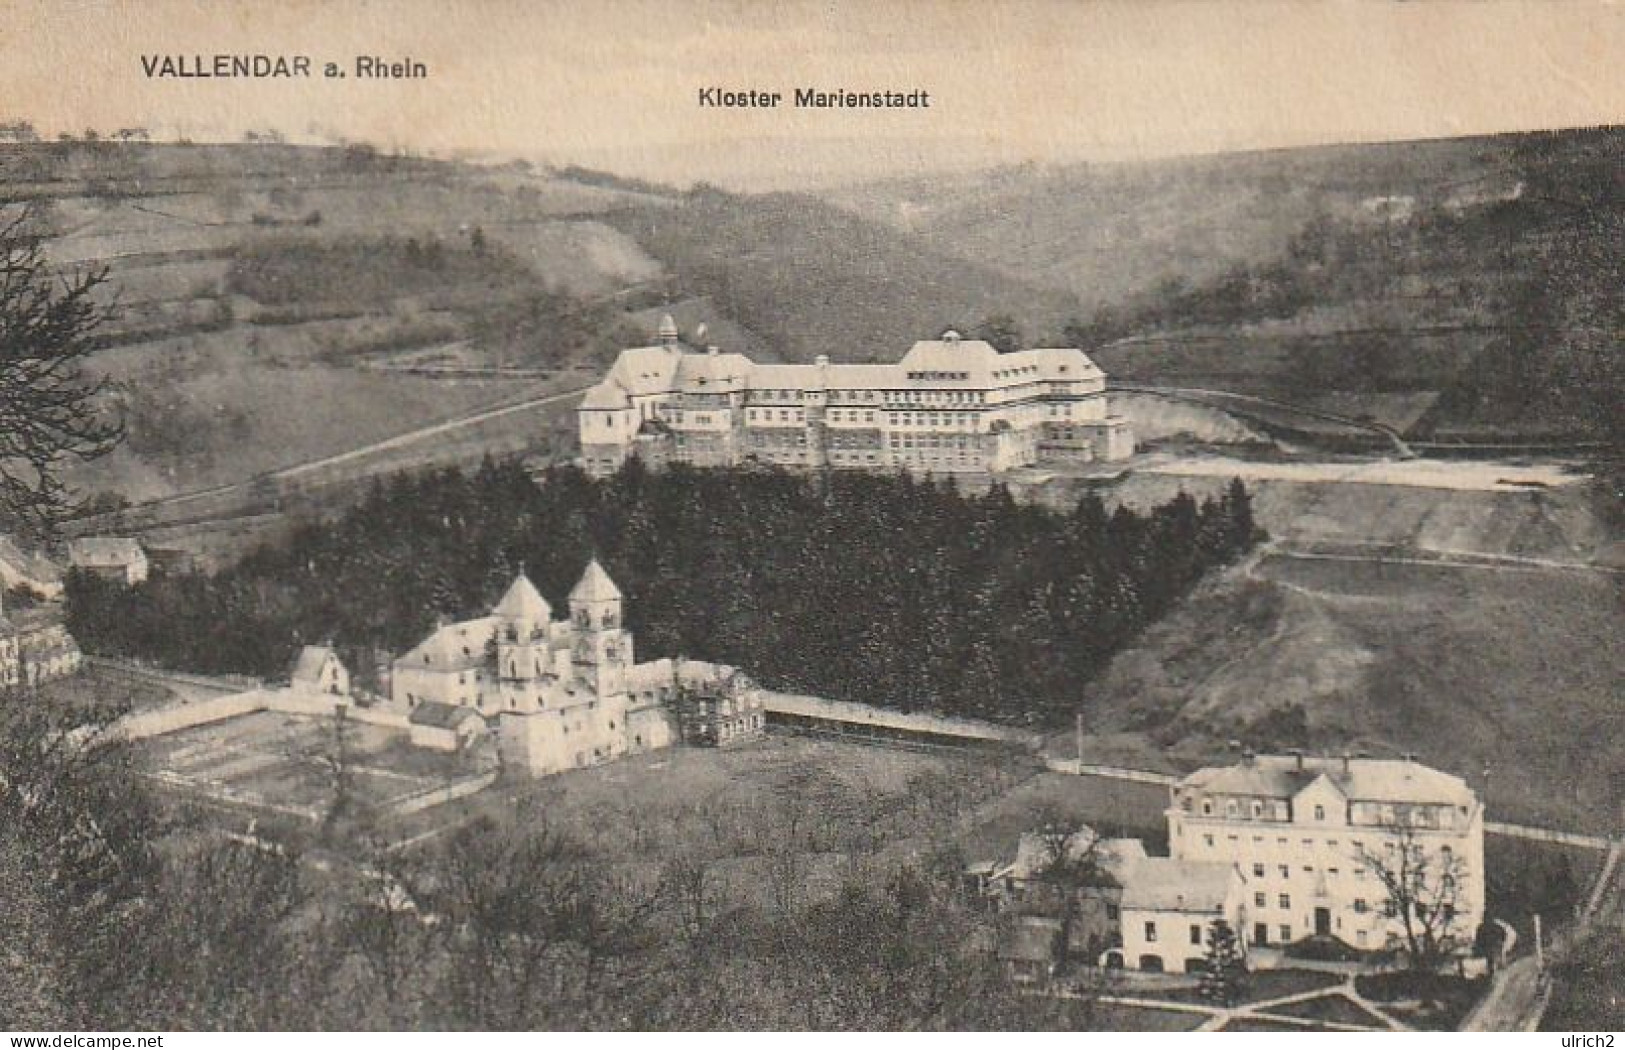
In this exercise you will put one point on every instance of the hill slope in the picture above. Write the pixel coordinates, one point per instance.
(1468, 268)
(271, 303)
(814, 279)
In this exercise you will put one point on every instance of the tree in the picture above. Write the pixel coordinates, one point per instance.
(1002, 332)
(384, 926)
(1421, 888)
(1224, 974)
(48, 410)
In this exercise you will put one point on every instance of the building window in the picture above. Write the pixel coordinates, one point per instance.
(1286, 934)
(1320, 812)
(1258, 809)
(1260, 900)
(1286, 900)
(1258, 871)
(1207, 840)
(1360, 907)
(1151, 932)
(1207, 804)
(1196, 934)
(1286, 871)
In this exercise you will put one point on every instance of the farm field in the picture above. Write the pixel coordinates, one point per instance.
(1113, 807)
(213, 409)
(646, 805)
(283, 764)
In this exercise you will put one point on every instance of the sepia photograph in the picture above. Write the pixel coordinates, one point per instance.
(712, 516)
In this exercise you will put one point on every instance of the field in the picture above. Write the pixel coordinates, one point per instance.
(283, 765)
(1122, 1017)
(738, 805)
(1587, 990)
(1109, 806)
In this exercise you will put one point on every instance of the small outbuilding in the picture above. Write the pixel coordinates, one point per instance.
(117, 558)
(444, 727)
(1030, 948)
(319, 670)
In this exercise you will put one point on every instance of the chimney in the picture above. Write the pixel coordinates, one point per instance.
(1247, 757)
(822, 360)
(1297, 753)
(711, 351)
(1346, 760)
(1409, 756)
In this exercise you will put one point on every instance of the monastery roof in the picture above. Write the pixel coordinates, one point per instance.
(308, 666)
(454, 646)
(104, 550)
(595, 585)
(645, 369)
(523, 602)
(1363, 780)
(437, 715)
(606, 395)
(649, 370)
(714, 372)
(974, 357)
(1166, 884)
(847, 376)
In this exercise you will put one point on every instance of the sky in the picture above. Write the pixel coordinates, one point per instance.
(615, 84)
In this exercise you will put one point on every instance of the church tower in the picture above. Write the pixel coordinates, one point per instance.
(602, 650)
(522, 619)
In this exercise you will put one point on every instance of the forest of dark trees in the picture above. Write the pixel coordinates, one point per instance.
(883, 590)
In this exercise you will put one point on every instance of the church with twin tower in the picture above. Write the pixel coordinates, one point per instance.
(567, 693)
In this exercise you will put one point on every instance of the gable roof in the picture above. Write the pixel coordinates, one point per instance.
(1360, 779)
(1034, 852)
(104, 551)
(1166, 884)
(595, 585)
(452, 646)
(523, 602)
(1112, 857)
(645, 370)
(436, 715)
(308, 666)
(607, 395)
(713, 372)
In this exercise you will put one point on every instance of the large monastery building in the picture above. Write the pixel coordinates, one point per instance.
(951, 405)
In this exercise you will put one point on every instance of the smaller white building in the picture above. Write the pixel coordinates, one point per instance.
(444, 727)
(1168, 910)
(117, 558)
(1309, 833)
(319, 670)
